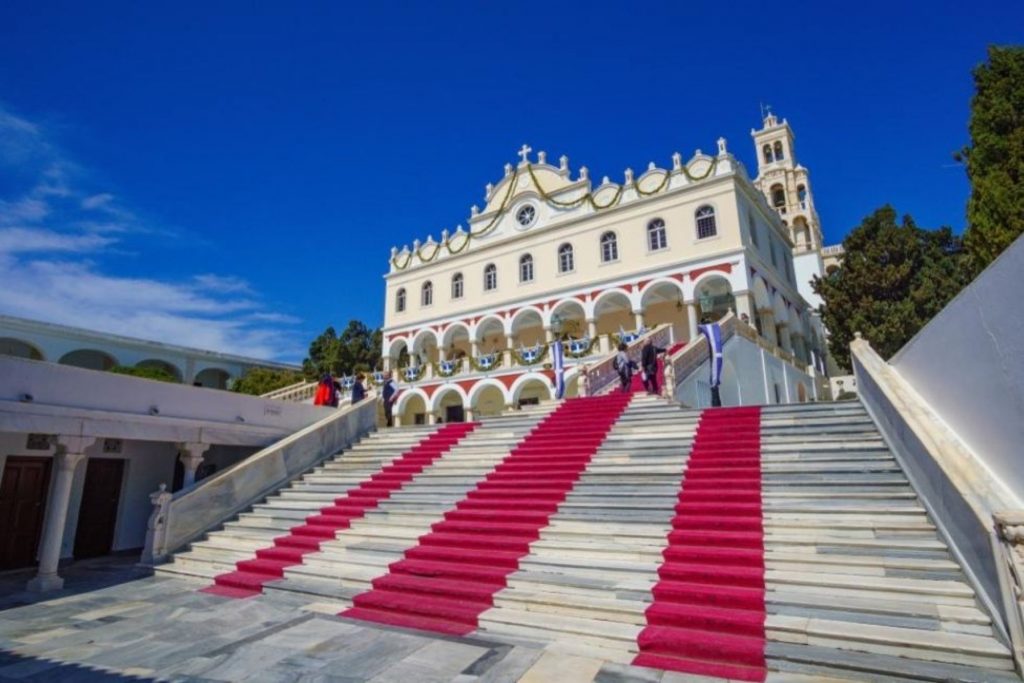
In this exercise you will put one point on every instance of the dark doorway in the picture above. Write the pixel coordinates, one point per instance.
(454, 414)
(98, 512)
(23, 492)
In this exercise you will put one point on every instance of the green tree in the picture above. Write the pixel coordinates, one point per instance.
(357, 348)
(893, 278)
(257, 381)
(995, 158)
(145, 372)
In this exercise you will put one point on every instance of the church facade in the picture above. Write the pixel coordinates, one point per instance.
(469, 316)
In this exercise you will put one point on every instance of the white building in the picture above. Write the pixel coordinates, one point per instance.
(468, 315)
(93, 350)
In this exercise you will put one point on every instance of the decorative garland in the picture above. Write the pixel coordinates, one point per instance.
(567, 345)
(548, 197)
(413, 374)
(495, 362)
(542, 353)
(453, 367)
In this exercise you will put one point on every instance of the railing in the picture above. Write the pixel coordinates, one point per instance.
(1009, 550)
(179, 518)
(750, 333)
(300, 391)
(603, 375)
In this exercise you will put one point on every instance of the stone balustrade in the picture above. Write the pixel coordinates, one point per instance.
(603, 375)
(180, 518)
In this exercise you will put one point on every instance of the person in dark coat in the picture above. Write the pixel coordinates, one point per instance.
(624, 365)
(649, 364)
(389, 395)
(358, 390)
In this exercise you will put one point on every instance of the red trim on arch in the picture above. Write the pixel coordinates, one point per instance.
(678, 276)
(429, 391)
(724, 267)
(642, 284)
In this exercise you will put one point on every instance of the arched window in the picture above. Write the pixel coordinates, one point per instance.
(400, 300)
(609, 247)
(767, 154)
(801, 195)
(778, 196)
(457, 286)
(526, 268)
(706, 227)
(427, 294)
(656, 235)
(490, 277)
(752, 226)
(778, 151)
(565, 260)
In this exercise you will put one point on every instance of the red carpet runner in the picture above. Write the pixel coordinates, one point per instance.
(450, 578)
(708, 612)
(269, 563)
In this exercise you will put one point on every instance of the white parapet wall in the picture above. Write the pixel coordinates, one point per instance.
(968, 364)
(28, 386)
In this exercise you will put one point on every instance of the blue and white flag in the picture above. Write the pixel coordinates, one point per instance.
(714, 334)
(559, 363)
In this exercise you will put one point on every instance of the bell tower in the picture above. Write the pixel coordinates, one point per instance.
(785, 183)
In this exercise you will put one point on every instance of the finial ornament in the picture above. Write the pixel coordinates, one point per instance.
(606, 180)
(474, 210)
(584, 173)
(651, 166)
(677, 161)
(563, 163)
(415, 245)
(488, 189)
(721, 145)
(444, 235)
(524, 153)
(629, 176)
(394, 252)
(542, 157)
(508, 169)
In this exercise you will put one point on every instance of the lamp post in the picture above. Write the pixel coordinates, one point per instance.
(707, 304)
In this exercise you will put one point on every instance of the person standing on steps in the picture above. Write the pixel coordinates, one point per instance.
(649, 365)
(624, 365)
(358, 390)
(325, 393)
(389, 394)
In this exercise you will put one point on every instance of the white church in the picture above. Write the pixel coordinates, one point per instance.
(468, 315)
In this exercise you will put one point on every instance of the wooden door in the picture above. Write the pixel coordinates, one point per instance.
(97, 516)
(23, 492)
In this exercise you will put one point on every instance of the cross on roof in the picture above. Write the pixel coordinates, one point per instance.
(524, 152)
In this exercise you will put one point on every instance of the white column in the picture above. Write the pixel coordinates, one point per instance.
(592, 329)
(474, 349)
(549, 336)
(70, 452)
(431, 419)
(191, 456)
(692, 320)
(469, 414)
(638, 319)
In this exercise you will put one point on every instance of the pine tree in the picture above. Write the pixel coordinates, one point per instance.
(893, 279)
(357, 348)
(995, 158)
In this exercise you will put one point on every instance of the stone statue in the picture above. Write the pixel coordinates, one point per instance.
(668, 390)
(585, 380)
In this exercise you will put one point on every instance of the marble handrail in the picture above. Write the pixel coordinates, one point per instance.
(180, 518)
(300, 391)
(687, 359)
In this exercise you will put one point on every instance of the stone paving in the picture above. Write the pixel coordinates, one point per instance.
(115, 622)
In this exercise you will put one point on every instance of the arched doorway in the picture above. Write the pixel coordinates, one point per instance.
(212, 378)
(449, 405)
(613, 313)
(19, 349)
(424, 348)
(662, 302)
(90, 359)
(490, 336)
(487, 399)
(531, 391)
(455, 341)
(412, 408)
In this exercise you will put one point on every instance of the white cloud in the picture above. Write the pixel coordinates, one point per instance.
(55, 235)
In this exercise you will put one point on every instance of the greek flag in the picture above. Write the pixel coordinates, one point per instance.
(556, 349)
(714, 334)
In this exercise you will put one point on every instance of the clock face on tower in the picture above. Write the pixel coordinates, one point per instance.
(526, 215)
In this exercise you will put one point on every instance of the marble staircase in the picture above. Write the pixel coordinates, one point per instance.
(858, 582)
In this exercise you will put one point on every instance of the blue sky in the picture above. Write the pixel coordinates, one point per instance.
(233, 175)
